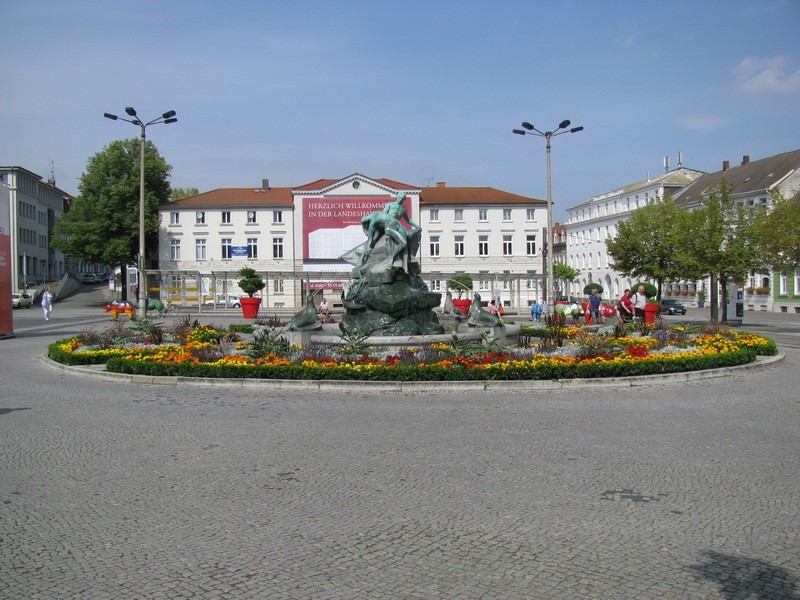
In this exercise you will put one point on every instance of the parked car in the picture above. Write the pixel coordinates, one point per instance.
(21, 300)
(233, 302)
(91, 278)
(671, 306)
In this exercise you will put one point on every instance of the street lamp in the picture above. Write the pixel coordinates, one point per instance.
(560, 130)
(166, 118)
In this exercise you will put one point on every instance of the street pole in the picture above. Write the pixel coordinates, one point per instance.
(166, 118)
(548, 135)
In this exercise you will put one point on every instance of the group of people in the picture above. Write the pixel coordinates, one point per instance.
(631, 305)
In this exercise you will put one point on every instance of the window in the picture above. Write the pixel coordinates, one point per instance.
(434, 245)
(226, 217)
(251, 217)
(459, 246)
(530, 245)
(436, 285)
(459, 214)
(174, 218)
(531, 214)
(506, 286)
(484, 285)
(200, 217)
(784, 285)
(174, 249)
(277, 247)
(483, 245)
(797, 284)
(200, 249)
(508, 246)
(278, 285)
(277, 216)
(506, 214)
(226, 248)
(435, 215)
(252, 247)
(483, 214)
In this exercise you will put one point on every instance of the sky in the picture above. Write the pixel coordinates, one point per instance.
(418, 91)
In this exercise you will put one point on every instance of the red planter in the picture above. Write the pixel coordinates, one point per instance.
(250, 307)
(463, 306)
(650, 312)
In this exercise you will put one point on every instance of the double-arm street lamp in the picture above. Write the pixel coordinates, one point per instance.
(167, 117)
(560, 130)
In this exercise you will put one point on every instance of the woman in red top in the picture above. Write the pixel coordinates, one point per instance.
(626, 306)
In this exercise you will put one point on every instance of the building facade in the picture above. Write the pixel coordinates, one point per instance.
(751, 184)
(35, 205)
(596, 220)
(296, 236)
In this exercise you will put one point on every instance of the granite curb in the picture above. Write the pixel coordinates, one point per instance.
(97, 372)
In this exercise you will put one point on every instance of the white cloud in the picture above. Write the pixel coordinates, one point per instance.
(703, 123)
(765, 75)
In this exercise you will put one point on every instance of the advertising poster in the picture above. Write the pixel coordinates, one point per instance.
(332, 226)
(6, 277)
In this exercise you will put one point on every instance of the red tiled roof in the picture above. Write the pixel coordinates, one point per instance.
(472, 195)
(237, 197)
(321, 184)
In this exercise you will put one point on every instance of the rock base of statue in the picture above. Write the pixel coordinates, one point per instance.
(390, 302)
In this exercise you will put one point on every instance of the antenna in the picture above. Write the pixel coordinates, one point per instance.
(52, 180)
(666, 164)
(680, 159)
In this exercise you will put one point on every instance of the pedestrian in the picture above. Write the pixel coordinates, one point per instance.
(594, 307)
(536, 311)
(625, 306)
(639, 300)
(47, 303)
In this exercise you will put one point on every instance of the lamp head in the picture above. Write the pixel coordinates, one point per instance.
(110, 116)
(519, 131)
(130, 111)
(172, 120)
(528, 126)
(564, 124)
(169, 114)
(576, 129)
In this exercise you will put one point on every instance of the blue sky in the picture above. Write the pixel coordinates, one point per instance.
(415, 91)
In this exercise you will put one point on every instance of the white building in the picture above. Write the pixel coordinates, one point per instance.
(753, 183)
(295, 236)
(596, 220)
(35, 206)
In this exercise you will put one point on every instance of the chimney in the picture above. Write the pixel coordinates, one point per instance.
(441, 184)
(746, 159)
(725, 165)
(265, 184)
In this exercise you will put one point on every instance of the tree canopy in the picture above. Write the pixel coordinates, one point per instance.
(102, 224)
(179, 192)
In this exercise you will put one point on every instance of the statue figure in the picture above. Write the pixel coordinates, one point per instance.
(480, 317)
(450, 308)
(307, 318)
(387, 295)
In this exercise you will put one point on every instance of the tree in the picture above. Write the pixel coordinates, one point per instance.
(103, 222)
(564, 274)
(648, 244)
(778, 235)
(178, 193)
(720, 241)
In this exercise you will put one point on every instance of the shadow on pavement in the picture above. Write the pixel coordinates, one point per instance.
(740, 577)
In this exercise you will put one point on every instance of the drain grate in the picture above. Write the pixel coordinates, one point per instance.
(630, 495)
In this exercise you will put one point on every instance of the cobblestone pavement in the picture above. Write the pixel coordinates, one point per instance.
(112, 490)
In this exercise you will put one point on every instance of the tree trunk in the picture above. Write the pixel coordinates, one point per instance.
(724, 301)
(713, 298)
(123, 275)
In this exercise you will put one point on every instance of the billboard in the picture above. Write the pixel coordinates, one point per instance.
(6, 276)
(332, 226)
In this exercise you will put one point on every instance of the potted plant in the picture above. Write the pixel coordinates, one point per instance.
(461, 283)
(762, 291)
(250, 283)
(701, 298)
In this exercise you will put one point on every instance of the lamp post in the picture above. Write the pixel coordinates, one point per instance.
(547, 135)
(166, 118)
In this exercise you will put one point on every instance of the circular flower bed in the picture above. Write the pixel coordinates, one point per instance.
(551, 352)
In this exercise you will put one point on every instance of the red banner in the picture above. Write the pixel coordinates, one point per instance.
(332, 226)
(6, 276)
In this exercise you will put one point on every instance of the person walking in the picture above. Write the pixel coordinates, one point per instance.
(47, 303)
(536, 311)
(594, 307)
